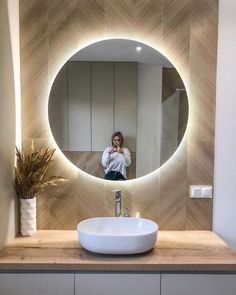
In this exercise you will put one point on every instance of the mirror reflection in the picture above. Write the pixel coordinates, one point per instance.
(118, 85)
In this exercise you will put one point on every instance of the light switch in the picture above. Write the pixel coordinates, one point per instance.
(196, 191)
(200, 191)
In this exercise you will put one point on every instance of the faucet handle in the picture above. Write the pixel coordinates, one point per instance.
(127, 212)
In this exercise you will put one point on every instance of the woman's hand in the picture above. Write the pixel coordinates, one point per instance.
(120, 150)
(116, 149)
(112, 150)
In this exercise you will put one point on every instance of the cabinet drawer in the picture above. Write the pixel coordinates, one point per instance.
(36, 284)
(117, 283)
(198, 284)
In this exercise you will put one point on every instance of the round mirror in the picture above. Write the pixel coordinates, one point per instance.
(118, 85)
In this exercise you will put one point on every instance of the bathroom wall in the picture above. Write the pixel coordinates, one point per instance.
(186, 32)
(224, 222)
(9, 78)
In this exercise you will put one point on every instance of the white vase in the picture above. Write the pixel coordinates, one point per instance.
(28, 216)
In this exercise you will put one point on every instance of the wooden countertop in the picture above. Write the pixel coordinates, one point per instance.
(51, 250)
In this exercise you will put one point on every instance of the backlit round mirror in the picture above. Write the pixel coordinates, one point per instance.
(118, 85)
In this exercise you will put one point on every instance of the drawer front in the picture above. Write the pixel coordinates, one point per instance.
(117, 284)
(36, 284)
(198, 284)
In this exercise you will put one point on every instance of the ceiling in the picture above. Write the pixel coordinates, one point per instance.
(121, 50)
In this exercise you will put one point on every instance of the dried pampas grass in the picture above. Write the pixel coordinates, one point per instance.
(31, 173)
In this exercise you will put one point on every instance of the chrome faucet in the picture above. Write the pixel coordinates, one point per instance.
(117, 203)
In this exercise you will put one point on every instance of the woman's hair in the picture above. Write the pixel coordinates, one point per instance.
(120, 135)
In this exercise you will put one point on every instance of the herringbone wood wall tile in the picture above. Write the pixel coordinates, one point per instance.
(186, 32)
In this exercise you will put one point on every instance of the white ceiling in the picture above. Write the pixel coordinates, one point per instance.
(121, 50)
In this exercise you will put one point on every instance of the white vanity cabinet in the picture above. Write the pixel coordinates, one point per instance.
(117, 284)
(36, 284)
(198, 284)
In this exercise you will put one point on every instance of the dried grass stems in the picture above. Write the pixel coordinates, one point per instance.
(31, 173)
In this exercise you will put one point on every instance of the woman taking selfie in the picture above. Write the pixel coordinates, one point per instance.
(116, 158)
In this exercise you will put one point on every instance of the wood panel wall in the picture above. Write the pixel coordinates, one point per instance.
(186, 32)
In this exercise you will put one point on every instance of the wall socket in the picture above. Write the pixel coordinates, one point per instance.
(201, 191)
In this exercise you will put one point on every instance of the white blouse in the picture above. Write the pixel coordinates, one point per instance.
(116, 161)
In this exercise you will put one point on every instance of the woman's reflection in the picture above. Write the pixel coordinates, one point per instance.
(116, 158)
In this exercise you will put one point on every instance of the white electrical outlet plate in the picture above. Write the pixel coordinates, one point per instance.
(201, 191)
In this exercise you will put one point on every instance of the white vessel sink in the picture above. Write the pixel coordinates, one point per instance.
(117, 235)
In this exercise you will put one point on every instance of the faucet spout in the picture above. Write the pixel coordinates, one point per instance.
(117, 203)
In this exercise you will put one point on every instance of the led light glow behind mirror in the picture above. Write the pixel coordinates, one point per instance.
(110, 86)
